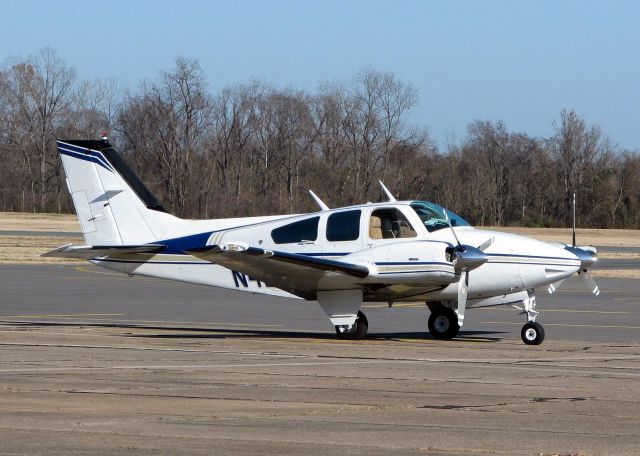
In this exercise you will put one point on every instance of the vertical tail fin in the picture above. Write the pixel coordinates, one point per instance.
(113, 205)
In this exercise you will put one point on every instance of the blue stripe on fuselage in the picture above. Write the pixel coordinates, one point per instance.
(180, 244)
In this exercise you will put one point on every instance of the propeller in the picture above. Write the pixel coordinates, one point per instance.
(586, 255)
(466, 258)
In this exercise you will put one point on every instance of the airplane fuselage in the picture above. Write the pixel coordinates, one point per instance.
(402, 269)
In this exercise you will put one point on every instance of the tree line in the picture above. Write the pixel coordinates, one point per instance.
(255, 149)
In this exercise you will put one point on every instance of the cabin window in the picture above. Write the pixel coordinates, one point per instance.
(296, 232)
(343, 226)
(389, 224)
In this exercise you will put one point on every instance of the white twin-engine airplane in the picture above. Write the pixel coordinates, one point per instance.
(395, 251)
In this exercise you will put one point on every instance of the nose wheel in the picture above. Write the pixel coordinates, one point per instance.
(532, 333)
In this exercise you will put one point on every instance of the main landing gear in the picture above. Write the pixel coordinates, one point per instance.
(356, 331)
(532, 332)
(443, 323)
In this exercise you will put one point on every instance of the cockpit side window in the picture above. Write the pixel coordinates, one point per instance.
(343, 226)
(303, 230)
(389, 223)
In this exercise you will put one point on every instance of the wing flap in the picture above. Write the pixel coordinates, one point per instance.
(301, 275)
(87, 252)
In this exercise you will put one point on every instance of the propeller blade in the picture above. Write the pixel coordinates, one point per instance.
(554, 286)
(589, 283)
(446, 217)
(486, 244)
(462, 296)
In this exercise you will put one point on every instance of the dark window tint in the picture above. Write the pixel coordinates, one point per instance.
(343, 226)
(304, 230)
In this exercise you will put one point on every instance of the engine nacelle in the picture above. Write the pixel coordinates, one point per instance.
(416, 262)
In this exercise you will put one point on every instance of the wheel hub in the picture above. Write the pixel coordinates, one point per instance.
(441, 323)
(530, 334)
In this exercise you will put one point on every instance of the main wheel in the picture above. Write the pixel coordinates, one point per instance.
(357, 331)
(532, 333)
(443, 323)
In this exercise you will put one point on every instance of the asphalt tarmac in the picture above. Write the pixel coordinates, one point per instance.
(88, 294)
(94, 362)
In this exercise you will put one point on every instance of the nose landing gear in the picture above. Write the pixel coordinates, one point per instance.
(532, 332)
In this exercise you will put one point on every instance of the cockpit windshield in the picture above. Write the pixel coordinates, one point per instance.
(434, 217)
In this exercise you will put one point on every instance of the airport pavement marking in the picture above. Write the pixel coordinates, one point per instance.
(515, 364)
(420, 306)
(565, 290)
(156, 349)
(560, 310)
(126, 320)
(223, 323)
(565, 325)
(84, 269)
(385, 306)
(64, 315)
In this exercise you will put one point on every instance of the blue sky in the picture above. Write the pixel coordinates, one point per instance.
(515, 61)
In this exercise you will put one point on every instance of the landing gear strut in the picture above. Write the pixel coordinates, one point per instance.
(358, 330)
(443, 323)
(532, 332)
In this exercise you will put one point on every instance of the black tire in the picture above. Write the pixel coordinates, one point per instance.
(532, 333)
(358, 330)
(443, 323)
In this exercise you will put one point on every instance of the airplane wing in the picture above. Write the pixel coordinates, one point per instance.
(298, 274)
(87, 252)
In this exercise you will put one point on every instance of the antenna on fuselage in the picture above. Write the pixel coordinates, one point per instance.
(389, 195)
(320, 203)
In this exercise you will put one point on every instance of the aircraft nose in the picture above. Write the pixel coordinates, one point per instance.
(542, 263)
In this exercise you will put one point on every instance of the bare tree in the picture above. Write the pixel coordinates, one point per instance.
(37, 92)
(255, 149)
(169, 121)
(581, 155)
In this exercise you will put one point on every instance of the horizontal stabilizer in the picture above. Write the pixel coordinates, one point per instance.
(86, 252)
